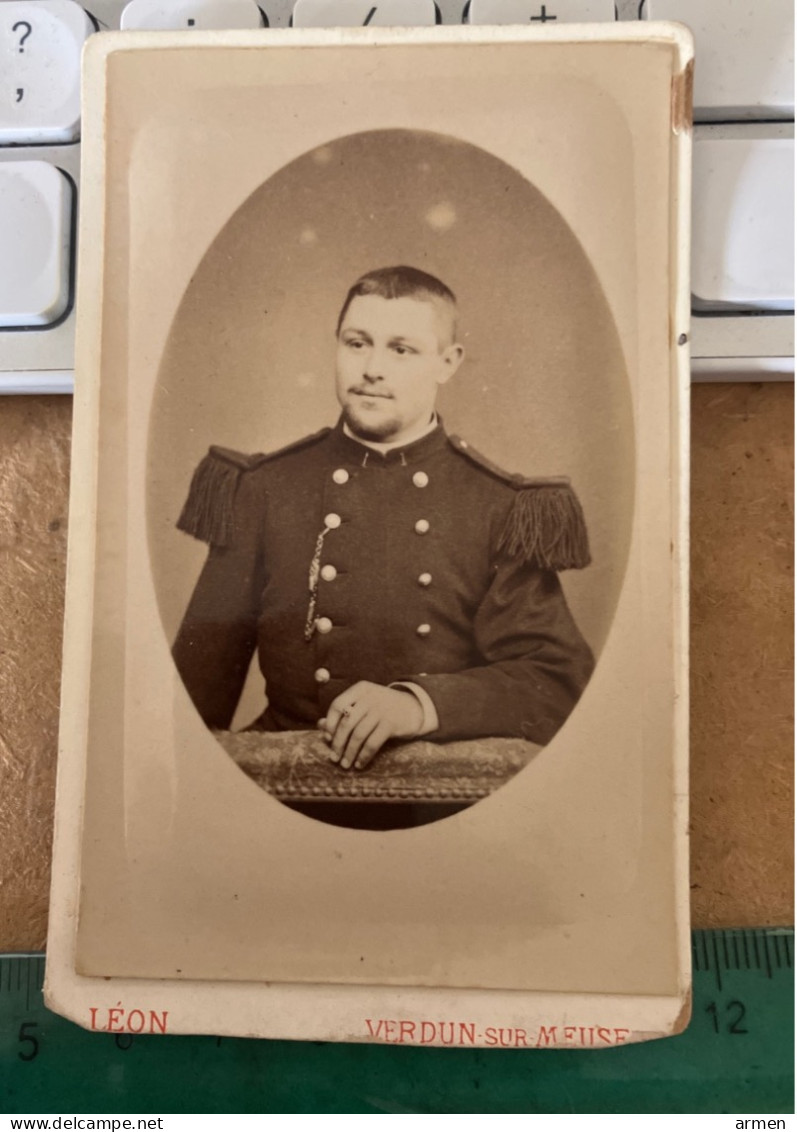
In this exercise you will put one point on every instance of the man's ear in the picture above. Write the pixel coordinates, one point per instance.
(453, 357)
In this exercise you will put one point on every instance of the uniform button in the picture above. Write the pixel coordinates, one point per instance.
(423, 630)
(324, 625)
(340, 475)
(425, 579)
(420, 479)
(329, 573)
(422, 526)
(321, 675)
(332, 521)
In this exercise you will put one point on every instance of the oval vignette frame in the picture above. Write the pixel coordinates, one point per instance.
(249, 361)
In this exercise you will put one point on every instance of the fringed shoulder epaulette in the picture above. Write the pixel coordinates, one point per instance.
(208, 510)
(545, 524)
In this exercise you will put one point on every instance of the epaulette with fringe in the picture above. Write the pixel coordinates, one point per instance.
(208, 510)
(545, 524)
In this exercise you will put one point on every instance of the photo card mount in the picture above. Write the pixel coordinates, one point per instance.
(383, 379)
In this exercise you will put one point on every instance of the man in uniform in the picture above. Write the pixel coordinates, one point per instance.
(394, 582)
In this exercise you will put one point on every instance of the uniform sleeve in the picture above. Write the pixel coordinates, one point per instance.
(536, 663)
(217, 637)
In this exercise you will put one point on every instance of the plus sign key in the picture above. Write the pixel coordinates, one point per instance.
(536, 15)
(40, 45)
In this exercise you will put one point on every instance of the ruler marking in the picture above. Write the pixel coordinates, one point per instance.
(772, 942)
(695, 956)
(746, 952)
(31, 969)
(706, 963)
(717, 972)
(735, 942)
(765, 941)
(787, 948)
(725, 950)
(19, 975)
(755, 948)
(775, 940)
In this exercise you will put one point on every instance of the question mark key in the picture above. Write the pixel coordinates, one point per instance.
(23, 28)
(41, 44)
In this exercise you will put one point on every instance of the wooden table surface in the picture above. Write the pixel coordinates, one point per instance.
(741, 654)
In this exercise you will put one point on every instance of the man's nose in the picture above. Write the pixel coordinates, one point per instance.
(372, 367)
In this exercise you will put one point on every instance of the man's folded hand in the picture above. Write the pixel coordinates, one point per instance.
(364, 717)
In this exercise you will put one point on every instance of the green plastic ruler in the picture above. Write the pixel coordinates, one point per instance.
(736, 1056)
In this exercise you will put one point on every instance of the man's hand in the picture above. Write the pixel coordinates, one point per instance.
(362, 719)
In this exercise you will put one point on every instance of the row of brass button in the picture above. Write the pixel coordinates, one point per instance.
(328, 572)
(341, 476)
(332, 521)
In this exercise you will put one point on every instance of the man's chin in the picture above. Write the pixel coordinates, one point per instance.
(368, 427)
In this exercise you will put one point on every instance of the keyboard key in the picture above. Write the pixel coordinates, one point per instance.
(360, 13)
(744, 54)
(178, 14)
(743, 222)
(40, 45)
(35, 233)
(539, 15)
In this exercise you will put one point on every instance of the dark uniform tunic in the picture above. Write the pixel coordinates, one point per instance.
(426, 564)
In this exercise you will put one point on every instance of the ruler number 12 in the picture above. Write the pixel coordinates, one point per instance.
(735, 1012)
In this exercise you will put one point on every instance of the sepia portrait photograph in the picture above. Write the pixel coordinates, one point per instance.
(409, 386)
(374, 692)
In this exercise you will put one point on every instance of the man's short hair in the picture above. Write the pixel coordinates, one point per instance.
(402, 283)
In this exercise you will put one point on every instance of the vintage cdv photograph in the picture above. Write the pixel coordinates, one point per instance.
(375, 661)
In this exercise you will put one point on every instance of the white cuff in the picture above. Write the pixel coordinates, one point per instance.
(430, 722)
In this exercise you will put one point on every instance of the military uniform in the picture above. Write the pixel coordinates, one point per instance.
(424, 564)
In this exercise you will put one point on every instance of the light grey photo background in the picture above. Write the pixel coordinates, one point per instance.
(250, 359)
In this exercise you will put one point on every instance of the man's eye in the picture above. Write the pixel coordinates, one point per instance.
(355, 343)
(401, 350)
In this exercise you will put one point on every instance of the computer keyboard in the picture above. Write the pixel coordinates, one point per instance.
(743, 198)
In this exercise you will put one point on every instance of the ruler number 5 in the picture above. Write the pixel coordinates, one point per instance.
(735, 1011)
(25, 1036)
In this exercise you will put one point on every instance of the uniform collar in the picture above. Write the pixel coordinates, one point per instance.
(355, 452)
(382, 448)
